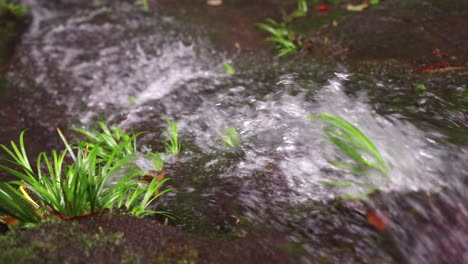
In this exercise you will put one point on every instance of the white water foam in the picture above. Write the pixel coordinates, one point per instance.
(276, 130)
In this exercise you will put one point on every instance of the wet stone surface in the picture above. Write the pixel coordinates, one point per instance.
(262, 201)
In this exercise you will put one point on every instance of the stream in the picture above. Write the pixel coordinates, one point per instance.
(128, 69)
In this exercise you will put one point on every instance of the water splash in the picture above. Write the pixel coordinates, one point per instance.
(98, 65)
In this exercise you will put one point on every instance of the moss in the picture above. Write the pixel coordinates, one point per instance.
(178, 253)
(13, 249)
(62, 242)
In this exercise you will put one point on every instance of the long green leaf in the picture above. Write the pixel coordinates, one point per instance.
(352, 142)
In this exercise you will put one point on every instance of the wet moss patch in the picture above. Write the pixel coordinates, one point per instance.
(63, 242)
(124, 239)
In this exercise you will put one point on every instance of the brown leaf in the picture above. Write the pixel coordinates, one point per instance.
(377, 220)
(9, 220)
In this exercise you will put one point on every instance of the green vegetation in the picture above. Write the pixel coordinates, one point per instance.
(108, 140)
(337, 183)
(132, 100)
(228, 68)
(301, 11)
(286, 35)
(16, 9)
(172, 144)
(420, 86)
(231, 137)
(64, 242)
(357, 147)
(281, 35)
(144, 4)
(158, 162)
(353, 143)
(80, 187)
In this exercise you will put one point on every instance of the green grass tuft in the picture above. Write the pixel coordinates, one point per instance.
(229, 69)
(172, 133)
(353, 143)
(231, 137)
(281, 35)
(16, 9)
(144, 4)
(67, 189)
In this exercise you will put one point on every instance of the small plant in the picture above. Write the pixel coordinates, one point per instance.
(97, 3)
(172, 144)
(353, 143)
(420, 86)
(16, 9)
(109, 140)
(17, 206)
(281, 36)
(228, 68)
(139, 197)
(301, 11)
(66, 190)
(158, 162)
(144, 4)
(285, 40)
(231, 137)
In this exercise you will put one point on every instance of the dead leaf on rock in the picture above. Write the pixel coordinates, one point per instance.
(9, 220)
(377, 220)
(214, 2)
(322, 8)
(357, 8)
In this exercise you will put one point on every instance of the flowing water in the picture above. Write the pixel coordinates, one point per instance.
(116, 65)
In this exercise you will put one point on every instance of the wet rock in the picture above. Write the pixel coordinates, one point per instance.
(3, 228)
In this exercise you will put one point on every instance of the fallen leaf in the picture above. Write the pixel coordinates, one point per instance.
(162, 175)
(439, 54)
(446, 69)
(151, 174)
(214, 2)
(441, 66)
(377, 220)
(322, 8)
(9, 220)
(148, 178)
(237, 219)
(357, 8)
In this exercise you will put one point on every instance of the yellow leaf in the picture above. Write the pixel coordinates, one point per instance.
(357, 8)
(26, 195)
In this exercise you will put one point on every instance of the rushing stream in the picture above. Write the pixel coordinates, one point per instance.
(114, 64)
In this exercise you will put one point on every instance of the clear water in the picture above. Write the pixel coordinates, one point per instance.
(129, 70)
